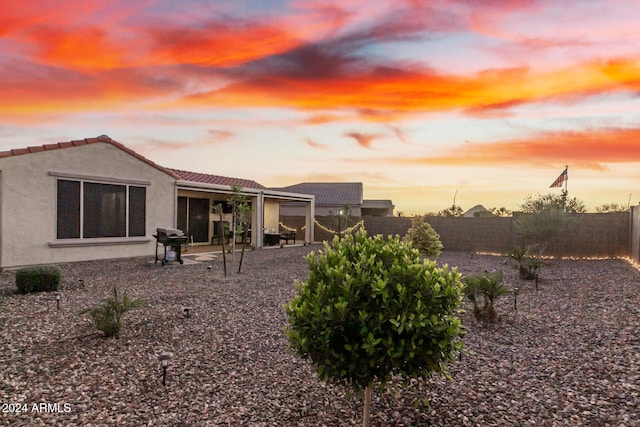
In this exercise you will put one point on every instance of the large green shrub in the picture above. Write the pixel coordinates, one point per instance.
(371, 308)
(424, 238)
(107, 316)
(38, 279)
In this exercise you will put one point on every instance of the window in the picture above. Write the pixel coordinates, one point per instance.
(100, 210)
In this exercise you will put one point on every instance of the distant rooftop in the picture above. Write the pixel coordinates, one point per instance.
(329, 193)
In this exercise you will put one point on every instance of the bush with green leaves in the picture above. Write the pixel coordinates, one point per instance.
(107, 317)
(527, 265)
(372, 308)
(489, 287)
(38, 279)
(424, 238)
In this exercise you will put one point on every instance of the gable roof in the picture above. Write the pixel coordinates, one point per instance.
(329, 193)
(86, 141)
(175, 173)
(204, 178)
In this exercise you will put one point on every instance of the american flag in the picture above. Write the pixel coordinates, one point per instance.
(561, 179)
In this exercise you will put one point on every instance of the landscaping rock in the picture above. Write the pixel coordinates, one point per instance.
(569, 355)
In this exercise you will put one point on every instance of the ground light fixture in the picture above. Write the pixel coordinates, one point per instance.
(164, 359)
(186, 311)
(58, 298)
(516, 291)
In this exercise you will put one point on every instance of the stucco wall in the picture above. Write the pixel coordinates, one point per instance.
(28, 208)
(271, 215)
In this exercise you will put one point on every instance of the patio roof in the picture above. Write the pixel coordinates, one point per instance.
(204, 178)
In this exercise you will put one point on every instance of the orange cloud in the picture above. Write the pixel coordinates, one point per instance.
(313, 144)
(393, 92)
(363, 140)
(587, 149)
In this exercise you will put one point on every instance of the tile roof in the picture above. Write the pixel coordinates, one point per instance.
(204, 178)
(329, 193)
(86, 141)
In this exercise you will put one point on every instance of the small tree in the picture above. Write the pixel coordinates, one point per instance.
(545, 216)
(453, 210)
(502, 211)
(241, 213)
(217, 209)
(371, 308)
(424, 238)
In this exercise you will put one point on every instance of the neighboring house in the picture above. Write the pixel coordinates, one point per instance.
(478, 211)
(331, 197)
(97, 199)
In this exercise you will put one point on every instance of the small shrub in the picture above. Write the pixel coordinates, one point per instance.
(38, 279)
(372, 308)
(107, 317)
(527, 265)
(424, 238)
(488, 286)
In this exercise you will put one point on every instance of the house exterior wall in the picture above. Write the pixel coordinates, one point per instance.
(28, 206)
(271, 215)
(288, 210)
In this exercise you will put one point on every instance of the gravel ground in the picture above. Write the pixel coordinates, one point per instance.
(569, 355)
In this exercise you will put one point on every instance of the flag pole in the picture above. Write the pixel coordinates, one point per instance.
(566, 191)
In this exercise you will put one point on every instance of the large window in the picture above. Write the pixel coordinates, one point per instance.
(91, 210)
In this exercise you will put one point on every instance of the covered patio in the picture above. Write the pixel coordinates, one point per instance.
(206, 230)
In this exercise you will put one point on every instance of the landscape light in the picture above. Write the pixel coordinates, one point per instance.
(515, 298)
(187, 311)
(164, 358)
(58, 297)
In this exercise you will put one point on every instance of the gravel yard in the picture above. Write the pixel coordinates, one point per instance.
(569, 355)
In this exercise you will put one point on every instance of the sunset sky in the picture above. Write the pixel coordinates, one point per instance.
(416, 99)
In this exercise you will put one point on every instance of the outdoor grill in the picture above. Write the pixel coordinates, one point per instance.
(173, 239)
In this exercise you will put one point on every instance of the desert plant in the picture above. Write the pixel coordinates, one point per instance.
(424, 238)
(38, 279)
(371, 308)
(489, 287)
(107, 317)
(527, 265)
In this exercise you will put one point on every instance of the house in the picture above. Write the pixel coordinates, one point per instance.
(477, 211)
(332, 197)
(97, 199)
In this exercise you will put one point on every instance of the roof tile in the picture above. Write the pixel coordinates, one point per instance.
(215, 179)
(329, 193)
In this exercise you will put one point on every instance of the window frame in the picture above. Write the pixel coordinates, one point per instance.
(134, 225)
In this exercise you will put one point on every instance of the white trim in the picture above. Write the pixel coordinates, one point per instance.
(99, 241)
(99, 179)
(225, 189)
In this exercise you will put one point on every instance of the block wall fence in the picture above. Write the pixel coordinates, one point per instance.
(593, 234)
